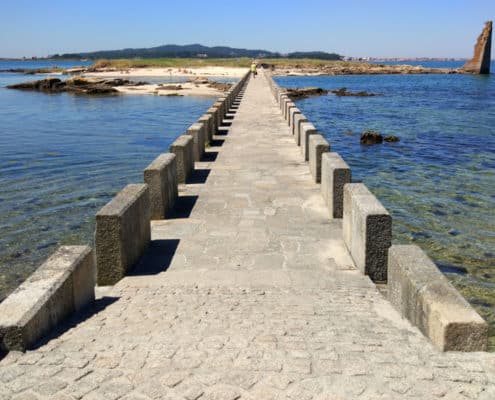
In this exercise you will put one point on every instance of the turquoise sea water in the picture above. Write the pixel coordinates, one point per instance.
(62, 157)
(438, 182)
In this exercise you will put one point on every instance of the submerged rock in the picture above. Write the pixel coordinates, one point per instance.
(303, 93)
(344, 92)
(80, 86)
(391, 139)
(371, 137)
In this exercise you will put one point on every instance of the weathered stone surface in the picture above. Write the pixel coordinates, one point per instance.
(260, 300)
(335, 173)
(122, 233)
(292, 113)
(78, 85)
(342, 92)
(369, 137)
(350, 190)
(219, 105)
(317, 146)
(161, 178)
(425, 297)
(370, 233)
(299, 119)
(304, 93)
(306, 129)
(184, 156)
(480, 63)
(288, 106)
(64, 283)
(207, 121)
(197, 132)
(213, 111)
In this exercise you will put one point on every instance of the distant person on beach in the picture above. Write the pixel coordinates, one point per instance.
(253, 70)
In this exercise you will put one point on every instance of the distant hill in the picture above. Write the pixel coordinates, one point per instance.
(194, 51)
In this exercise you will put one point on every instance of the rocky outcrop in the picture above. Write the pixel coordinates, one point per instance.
(303, 93)
(201, 80)
(480, 63)
(391, 139)
(371, 137)
(80, 86)
(345, 92)
(356, 68)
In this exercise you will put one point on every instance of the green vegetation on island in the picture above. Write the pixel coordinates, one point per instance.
(196, 51)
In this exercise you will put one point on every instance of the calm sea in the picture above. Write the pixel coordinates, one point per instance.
(62, 157)
(438, 182)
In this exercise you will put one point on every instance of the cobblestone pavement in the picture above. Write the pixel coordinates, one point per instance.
(260, 300)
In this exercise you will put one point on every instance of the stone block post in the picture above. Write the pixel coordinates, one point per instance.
(367, 231)
(207, 121)
(307, 129)
(63, 284)
(299, 119)
(213, 112)
(289, 106)
(317, 146)
(293, 111)
(423, 295)
(335, 173)
(184, 157)
(197, 132)
(122, 233)
(161, 178)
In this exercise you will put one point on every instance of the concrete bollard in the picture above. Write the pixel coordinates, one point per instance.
(220, 113)
(122, 233)
(317, 146)
(293, 111)
(283, 105)
(289, 106)
(423, 295)
(306, 130)
(299, 119)
(197, 131)
(207, 121)
(213, 112)
(161, 178)
(184, 157)
(335, 173)
(367, 231)
(63, 284)
(281, 98)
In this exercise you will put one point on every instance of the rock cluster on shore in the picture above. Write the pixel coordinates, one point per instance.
(344, 92)
(80, 86)
(303, 93)
(345, 68)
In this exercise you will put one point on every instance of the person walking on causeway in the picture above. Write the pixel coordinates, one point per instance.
(253, 70)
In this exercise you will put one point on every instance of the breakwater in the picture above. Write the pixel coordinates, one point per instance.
(437, 181)
(122, 235)
(247, 283)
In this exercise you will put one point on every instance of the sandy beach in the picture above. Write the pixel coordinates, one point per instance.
(181, 89)
(229, 72)
(194, 88)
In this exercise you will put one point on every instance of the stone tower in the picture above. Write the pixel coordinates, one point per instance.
(480, 63)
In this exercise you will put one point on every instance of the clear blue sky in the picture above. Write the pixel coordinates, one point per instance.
(432, 28)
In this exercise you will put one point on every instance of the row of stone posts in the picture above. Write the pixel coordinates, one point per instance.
(415, 286)
(65, 282)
